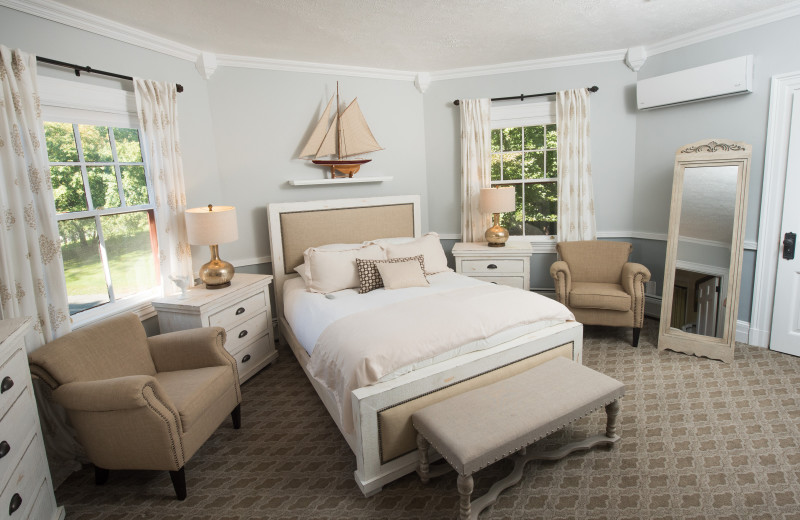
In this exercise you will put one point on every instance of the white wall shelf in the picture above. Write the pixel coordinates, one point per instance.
(340, 180)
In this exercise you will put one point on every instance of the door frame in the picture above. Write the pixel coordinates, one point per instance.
(782, 91)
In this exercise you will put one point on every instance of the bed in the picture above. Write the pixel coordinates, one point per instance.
(376, 420)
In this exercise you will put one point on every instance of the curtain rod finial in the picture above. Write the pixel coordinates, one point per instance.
(594, 88)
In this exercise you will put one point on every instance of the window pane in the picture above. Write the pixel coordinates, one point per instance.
(541, 208)
(496, 140)
(83, 269)
(534, 165)
(534, 137)
(103, 186)
(551, 136)
(130, 252)
(512, 166)
(95, 143)
(552, 164)
(496, 163)
(127, 142)
(68, 188)
(512, 221)
(134, 184)
(512, 139)
(60, 142)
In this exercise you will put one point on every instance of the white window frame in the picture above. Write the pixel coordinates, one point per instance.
(72, 102)
(536, 113)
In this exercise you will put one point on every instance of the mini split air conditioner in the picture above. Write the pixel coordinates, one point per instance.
(724, 78)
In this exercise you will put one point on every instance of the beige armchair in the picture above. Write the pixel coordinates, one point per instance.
(597, 283)
(137, 402)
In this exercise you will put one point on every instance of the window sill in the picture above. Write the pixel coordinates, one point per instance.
(141, 306)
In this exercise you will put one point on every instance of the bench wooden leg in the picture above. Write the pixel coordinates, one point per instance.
(612, 410)
(424, 465)
(465, 485)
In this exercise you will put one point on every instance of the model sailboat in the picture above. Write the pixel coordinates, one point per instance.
(347, 136)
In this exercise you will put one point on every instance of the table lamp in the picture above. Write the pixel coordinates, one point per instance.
(210, 227)
(496, 201)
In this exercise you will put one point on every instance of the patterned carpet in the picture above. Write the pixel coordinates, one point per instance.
(700, 439)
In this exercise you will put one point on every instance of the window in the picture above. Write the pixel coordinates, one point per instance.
(524, 156)
(105, 213)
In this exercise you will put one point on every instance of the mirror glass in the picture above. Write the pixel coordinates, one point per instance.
(708, 208)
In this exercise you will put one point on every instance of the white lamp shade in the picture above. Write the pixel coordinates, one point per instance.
(498, 200)
(208, 228)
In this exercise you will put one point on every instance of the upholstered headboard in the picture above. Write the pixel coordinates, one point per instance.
(296, 226)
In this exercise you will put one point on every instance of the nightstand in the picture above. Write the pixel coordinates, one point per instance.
(509, 265)
(243, 310)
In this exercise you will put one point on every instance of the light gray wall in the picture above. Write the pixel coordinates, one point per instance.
(660, 132)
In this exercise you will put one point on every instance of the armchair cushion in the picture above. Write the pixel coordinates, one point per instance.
(610, 296)
(195, 392)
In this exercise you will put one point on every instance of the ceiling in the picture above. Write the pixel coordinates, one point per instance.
(419, 35)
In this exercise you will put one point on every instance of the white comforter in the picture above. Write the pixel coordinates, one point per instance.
(365, 338)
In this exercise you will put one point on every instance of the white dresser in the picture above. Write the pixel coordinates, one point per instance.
(508, 265)
(27, 488)
(243, 310)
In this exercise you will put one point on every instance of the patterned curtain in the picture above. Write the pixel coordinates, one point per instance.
(575, 195)
(476, 166)
(31, 269)
(157, 106)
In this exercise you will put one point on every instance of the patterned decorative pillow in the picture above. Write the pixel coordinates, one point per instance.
(369, 276)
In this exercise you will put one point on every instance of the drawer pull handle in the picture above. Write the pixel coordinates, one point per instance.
(242, 334)
(16, 501)
(6, 384)
(246, 358)
(4, 449)
(491, 266)
(239, 310)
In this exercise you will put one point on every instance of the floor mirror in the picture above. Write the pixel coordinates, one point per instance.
(702, 272)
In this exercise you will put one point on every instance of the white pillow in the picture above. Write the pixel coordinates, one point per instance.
(399, 275)
(428, 246)
(302, 270)
(331, 270)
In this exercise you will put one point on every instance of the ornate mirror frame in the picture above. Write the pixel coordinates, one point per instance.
(706, 154)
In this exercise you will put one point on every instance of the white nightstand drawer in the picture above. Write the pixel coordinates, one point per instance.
(17, 427)
(44, 504)
(23, 486)
(244, 333)
(493, 266)
(245, 308)
(511, 281)
(11, 378)
(250, 357)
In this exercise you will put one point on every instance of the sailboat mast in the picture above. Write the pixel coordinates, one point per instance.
(338, 124)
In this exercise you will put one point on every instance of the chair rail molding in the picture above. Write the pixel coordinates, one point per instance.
(785, 88)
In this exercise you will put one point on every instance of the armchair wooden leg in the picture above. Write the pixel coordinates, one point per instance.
(179, 482)
(636, 331)
(236, 415)
(100, 476)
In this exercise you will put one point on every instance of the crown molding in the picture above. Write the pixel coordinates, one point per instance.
(521, 66)
(247, 62)
(78, 19)
(774, 14)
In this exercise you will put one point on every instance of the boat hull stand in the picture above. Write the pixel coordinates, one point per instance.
(346, 168)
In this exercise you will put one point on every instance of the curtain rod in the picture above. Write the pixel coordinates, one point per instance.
(523, 96)
(78, 69)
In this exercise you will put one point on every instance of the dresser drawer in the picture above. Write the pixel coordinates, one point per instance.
(44, 505)
(238, 311)
(251, 357)
(243, 334)
(24, 484)
(16, 428)
(511, 281)
(12, 378)
(495, 266)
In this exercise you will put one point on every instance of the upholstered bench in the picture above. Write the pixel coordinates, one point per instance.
(477, 428)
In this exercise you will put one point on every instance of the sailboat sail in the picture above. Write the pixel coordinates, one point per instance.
(316, 140)
(328, 146)
(355, 137)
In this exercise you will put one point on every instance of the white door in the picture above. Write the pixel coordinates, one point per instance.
(785, 335)
(707, 298)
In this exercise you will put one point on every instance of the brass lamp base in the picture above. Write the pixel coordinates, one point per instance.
(497, 235)
(216, 274)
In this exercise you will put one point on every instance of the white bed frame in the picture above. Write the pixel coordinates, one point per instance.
(371, 473)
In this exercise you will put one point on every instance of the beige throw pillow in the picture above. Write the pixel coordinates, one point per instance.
(428, 246)
(399, 275)
(369, 276)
